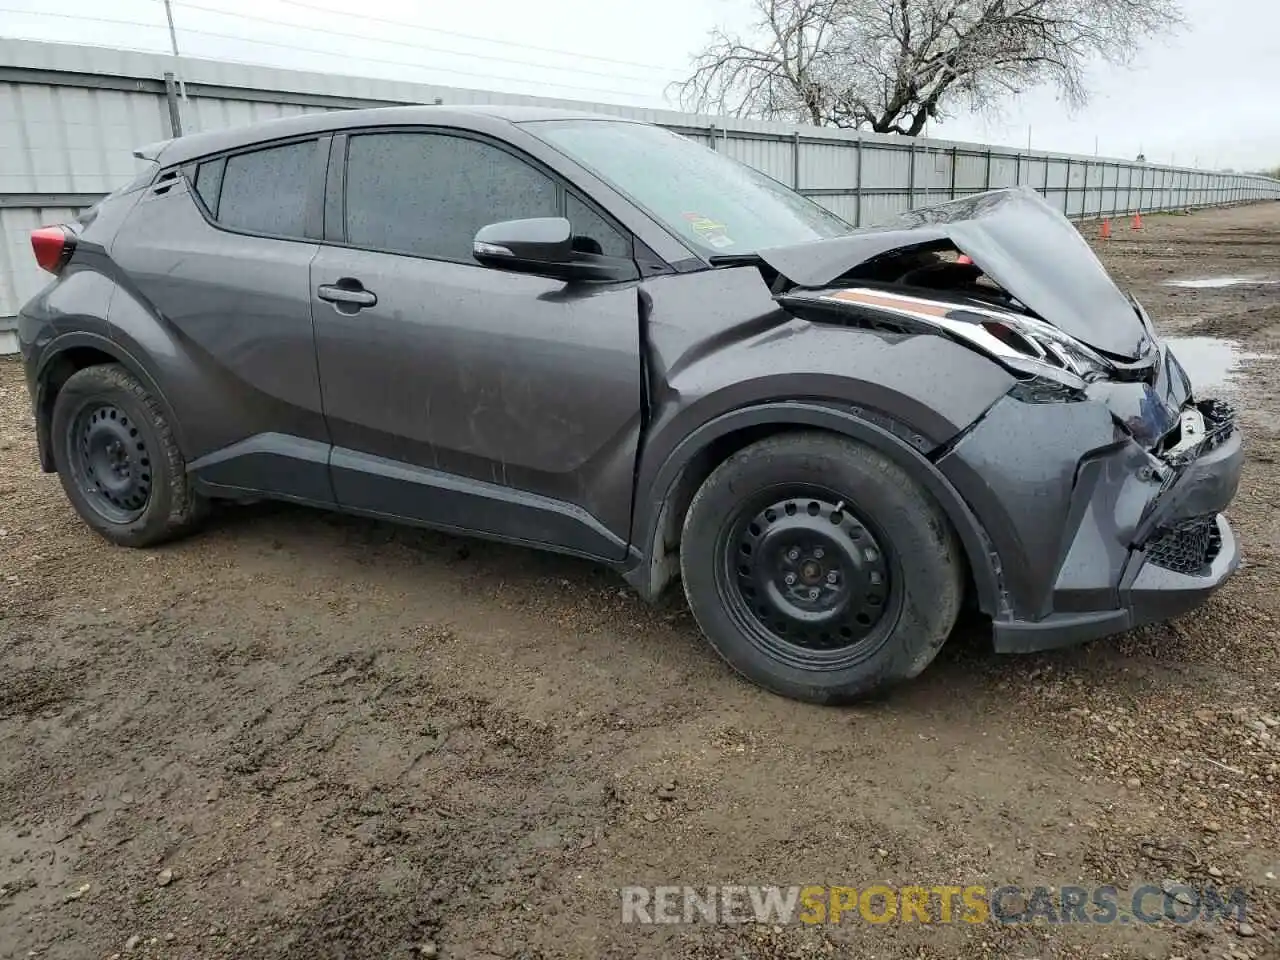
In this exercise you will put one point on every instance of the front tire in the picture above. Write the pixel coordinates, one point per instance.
(819, 569)
(118, 461)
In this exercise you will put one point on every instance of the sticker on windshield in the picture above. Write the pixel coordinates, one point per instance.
(709, 231)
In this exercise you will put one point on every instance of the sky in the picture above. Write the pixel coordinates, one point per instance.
(1204, 97)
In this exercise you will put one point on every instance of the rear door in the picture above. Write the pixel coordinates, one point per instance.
(464, 396)
(220, 253)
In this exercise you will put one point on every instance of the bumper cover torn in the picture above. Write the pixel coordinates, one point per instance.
(1140, 535)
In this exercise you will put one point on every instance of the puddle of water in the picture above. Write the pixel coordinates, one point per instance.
(1216, 283)
(1210, 362)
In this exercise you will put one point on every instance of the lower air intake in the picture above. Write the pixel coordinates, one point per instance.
(1189, 547)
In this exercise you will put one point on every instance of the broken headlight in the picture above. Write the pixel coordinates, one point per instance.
(1052, 366)
(1038, 347)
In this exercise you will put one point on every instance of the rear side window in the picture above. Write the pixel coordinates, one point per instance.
(428, 193)
(261, 192)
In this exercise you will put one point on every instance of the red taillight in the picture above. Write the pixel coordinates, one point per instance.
(52, 246)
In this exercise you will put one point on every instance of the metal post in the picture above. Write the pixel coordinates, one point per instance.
(173, 46)
(795, 160)
(1066, 192)
(1017, 170)
(712, 129)
(988, 168)
(1084, 196)
(911, 175)
(857, 189)
(173, 35)
(171, 95)
(955, 162)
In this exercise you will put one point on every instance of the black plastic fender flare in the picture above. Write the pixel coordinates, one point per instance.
(977, 546)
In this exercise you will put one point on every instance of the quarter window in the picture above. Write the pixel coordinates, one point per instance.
(209, 183)
(592, 233)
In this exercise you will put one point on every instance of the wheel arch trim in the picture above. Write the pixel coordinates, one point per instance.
(62, 343)
(790, 414)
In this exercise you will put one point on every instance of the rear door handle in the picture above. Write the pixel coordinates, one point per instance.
(347, 292)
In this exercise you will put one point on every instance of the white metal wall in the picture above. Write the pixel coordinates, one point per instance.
(70, 117)
(20, 278)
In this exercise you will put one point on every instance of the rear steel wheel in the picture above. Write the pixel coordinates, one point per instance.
(118, 460)
(109, 460)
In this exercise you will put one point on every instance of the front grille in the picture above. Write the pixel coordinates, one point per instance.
(1189, 547)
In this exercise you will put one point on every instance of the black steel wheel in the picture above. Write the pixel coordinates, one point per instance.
(118, 460)
(807, 578)
(820, 568)
(109, 460)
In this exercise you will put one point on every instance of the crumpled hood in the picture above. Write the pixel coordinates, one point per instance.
(1017, 239)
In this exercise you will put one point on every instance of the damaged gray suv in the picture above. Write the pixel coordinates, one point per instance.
(594, 336)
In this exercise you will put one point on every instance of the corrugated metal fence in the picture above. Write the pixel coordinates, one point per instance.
(71, 115)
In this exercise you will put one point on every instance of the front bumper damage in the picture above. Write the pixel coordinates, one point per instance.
(1094, 545)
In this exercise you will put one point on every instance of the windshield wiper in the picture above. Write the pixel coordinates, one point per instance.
(735, 259)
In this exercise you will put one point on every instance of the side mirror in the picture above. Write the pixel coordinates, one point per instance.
(544, 246)
(524, 244)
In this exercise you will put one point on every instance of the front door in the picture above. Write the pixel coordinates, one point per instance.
(464, 396)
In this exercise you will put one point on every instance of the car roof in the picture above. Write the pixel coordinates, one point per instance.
(483, 117)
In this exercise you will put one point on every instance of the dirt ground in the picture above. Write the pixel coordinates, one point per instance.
(305, 736)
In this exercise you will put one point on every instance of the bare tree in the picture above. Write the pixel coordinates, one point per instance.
(892, 65)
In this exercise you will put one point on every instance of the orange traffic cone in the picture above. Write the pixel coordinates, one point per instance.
(1137, 220)
(1106, 229)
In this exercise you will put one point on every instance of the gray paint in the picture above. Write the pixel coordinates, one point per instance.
(1107, 505)
(1016, 469)
(1066, 516)
(1018, 240)
(1206, 486)
(719, 341)
(226, 319)
(569, 415)
(503, 378)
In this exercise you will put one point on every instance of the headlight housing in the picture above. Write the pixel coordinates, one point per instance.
(1052, 365)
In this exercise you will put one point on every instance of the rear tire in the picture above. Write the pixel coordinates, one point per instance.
(819, 569)
(118, 461)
